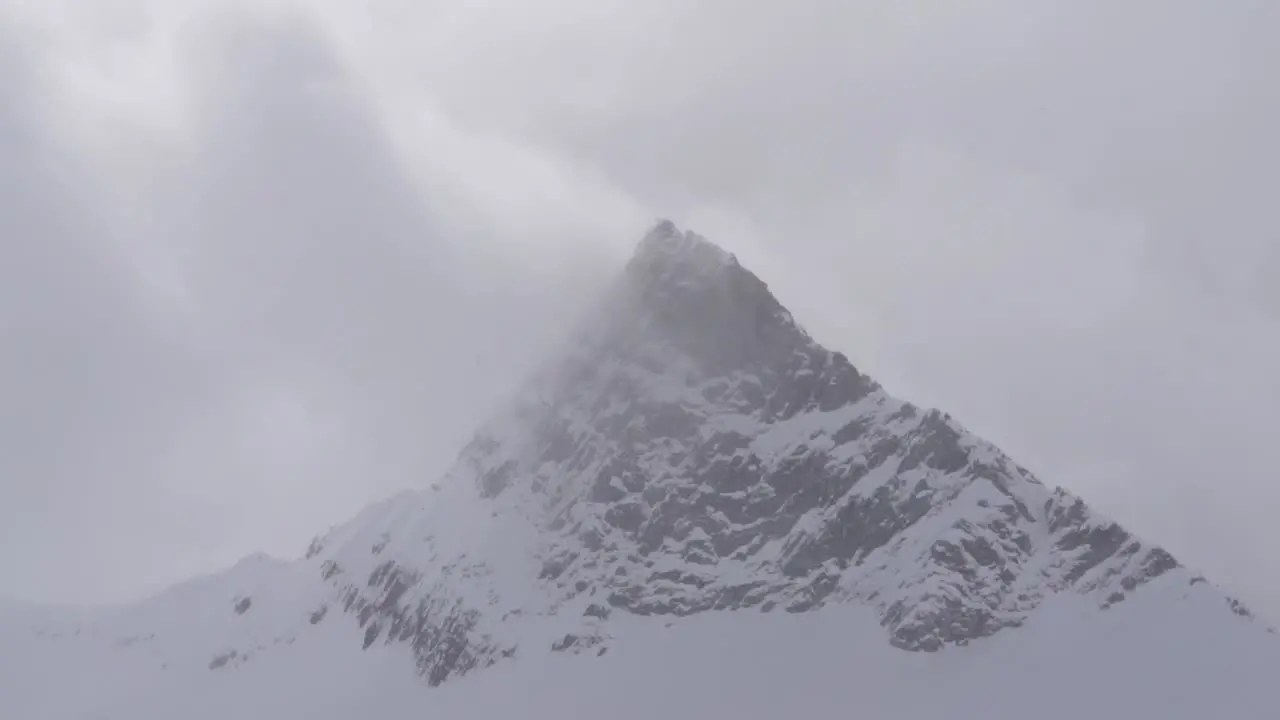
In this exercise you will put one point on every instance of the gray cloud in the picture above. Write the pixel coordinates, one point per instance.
(287, 258)
(274, 336)
(72, 426)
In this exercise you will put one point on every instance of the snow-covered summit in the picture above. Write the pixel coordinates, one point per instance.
(665, 244)
(693, 451)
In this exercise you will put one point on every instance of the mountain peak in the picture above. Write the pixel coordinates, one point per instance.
(684, 291)
(668, 240)
(666, 251)
(695, 454)
(699, 451)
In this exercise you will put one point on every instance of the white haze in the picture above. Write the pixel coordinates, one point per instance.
(264, 262)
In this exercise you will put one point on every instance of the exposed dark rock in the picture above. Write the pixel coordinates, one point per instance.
(628, 516)
(565, 643)
(1239, 608)
(315, 548)
(1099, 543)
(221, 660)
(936, 445)
(371, 634)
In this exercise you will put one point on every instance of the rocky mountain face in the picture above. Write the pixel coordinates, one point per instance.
(693, 451)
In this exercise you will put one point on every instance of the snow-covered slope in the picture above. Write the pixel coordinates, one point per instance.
(694, 478)
(1158, 656)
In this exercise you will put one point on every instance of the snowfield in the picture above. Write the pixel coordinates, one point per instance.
(1165, 655)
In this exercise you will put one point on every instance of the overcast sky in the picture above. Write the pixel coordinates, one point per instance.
(263, 262)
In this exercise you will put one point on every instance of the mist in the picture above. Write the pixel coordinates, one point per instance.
(262, 263)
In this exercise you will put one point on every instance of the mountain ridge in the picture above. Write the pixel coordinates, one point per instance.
(693, 450)
(809, 477)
